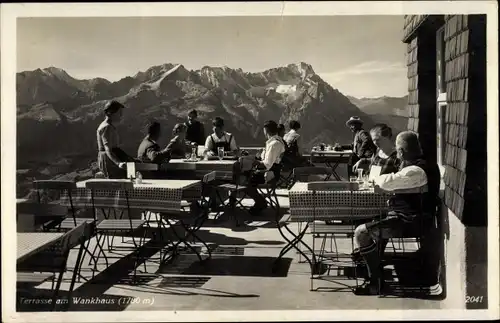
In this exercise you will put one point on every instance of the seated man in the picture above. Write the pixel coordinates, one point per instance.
(281, 130)
(177, 145)
(406, 212)
(268, 167)
(195, 131)
(385, 157)
(149, 151)
(220, 139)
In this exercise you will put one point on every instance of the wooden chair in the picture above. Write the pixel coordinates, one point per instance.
(53, 260)
(421, 229)
(110, 227)
(68, 221)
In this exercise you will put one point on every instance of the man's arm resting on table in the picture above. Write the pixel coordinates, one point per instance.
(408, 177)
(157, 156)
(209, 146)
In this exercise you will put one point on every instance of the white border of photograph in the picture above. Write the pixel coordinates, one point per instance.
(9, 13)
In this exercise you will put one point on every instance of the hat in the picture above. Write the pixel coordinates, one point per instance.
(113, 106)
(353, 120)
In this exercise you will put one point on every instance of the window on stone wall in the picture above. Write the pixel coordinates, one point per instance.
(441, 98)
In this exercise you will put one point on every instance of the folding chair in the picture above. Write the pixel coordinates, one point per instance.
(236, 192)
(69, 221)
(110, 227)
(421, 230)
(44, 265)
(302, 174)
(343, 227)
(51, 192)
(41, 211)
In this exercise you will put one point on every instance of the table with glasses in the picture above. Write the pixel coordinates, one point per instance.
(308, 205)
(160, 195)
(331, 158)
(154, 197)
(226, 164)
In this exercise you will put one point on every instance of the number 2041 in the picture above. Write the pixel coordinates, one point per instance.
(473, 299)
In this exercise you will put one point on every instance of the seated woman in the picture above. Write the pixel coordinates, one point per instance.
(293, 139)
(220, 139)
(294, 147)
(385, 157)
(177, 146)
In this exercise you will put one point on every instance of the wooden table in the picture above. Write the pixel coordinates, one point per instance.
(331, 158)
(29, 243)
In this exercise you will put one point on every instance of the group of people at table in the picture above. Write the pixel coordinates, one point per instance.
(399, 163)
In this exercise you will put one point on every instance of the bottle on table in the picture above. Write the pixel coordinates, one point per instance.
(138, 178)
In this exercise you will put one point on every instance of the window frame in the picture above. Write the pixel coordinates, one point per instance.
(441, 100)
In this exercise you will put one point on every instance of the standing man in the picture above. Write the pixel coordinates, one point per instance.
(195, 132)
(362, 146)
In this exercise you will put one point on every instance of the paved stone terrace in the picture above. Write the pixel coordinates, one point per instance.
(238, 277)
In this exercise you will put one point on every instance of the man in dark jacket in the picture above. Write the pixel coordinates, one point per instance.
(362, 146)
(149, 151)
(195, 132)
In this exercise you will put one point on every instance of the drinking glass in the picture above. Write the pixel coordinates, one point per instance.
(188, 156)
(360, 175)
(220, 152)
(194, 153)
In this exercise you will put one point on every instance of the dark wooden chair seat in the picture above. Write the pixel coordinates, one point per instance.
(69, 223)
(120, 225)
(321, 228)
(232, 187)
(33, 278)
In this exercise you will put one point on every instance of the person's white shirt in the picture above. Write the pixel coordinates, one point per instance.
(212, 138)
(273, 152)
(407, 178)
(290, 136)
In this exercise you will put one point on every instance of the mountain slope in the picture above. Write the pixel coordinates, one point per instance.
(389, 110)
(58, 114)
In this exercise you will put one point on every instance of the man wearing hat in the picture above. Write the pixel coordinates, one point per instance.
(362, 146)
(111, 159)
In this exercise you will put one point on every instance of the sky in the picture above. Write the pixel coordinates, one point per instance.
(362, 56)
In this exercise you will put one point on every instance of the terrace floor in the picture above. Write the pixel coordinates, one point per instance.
(238, 277)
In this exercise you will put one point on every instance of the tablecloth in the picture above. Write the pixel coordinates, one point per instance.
(308, 205)
(151, 195)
